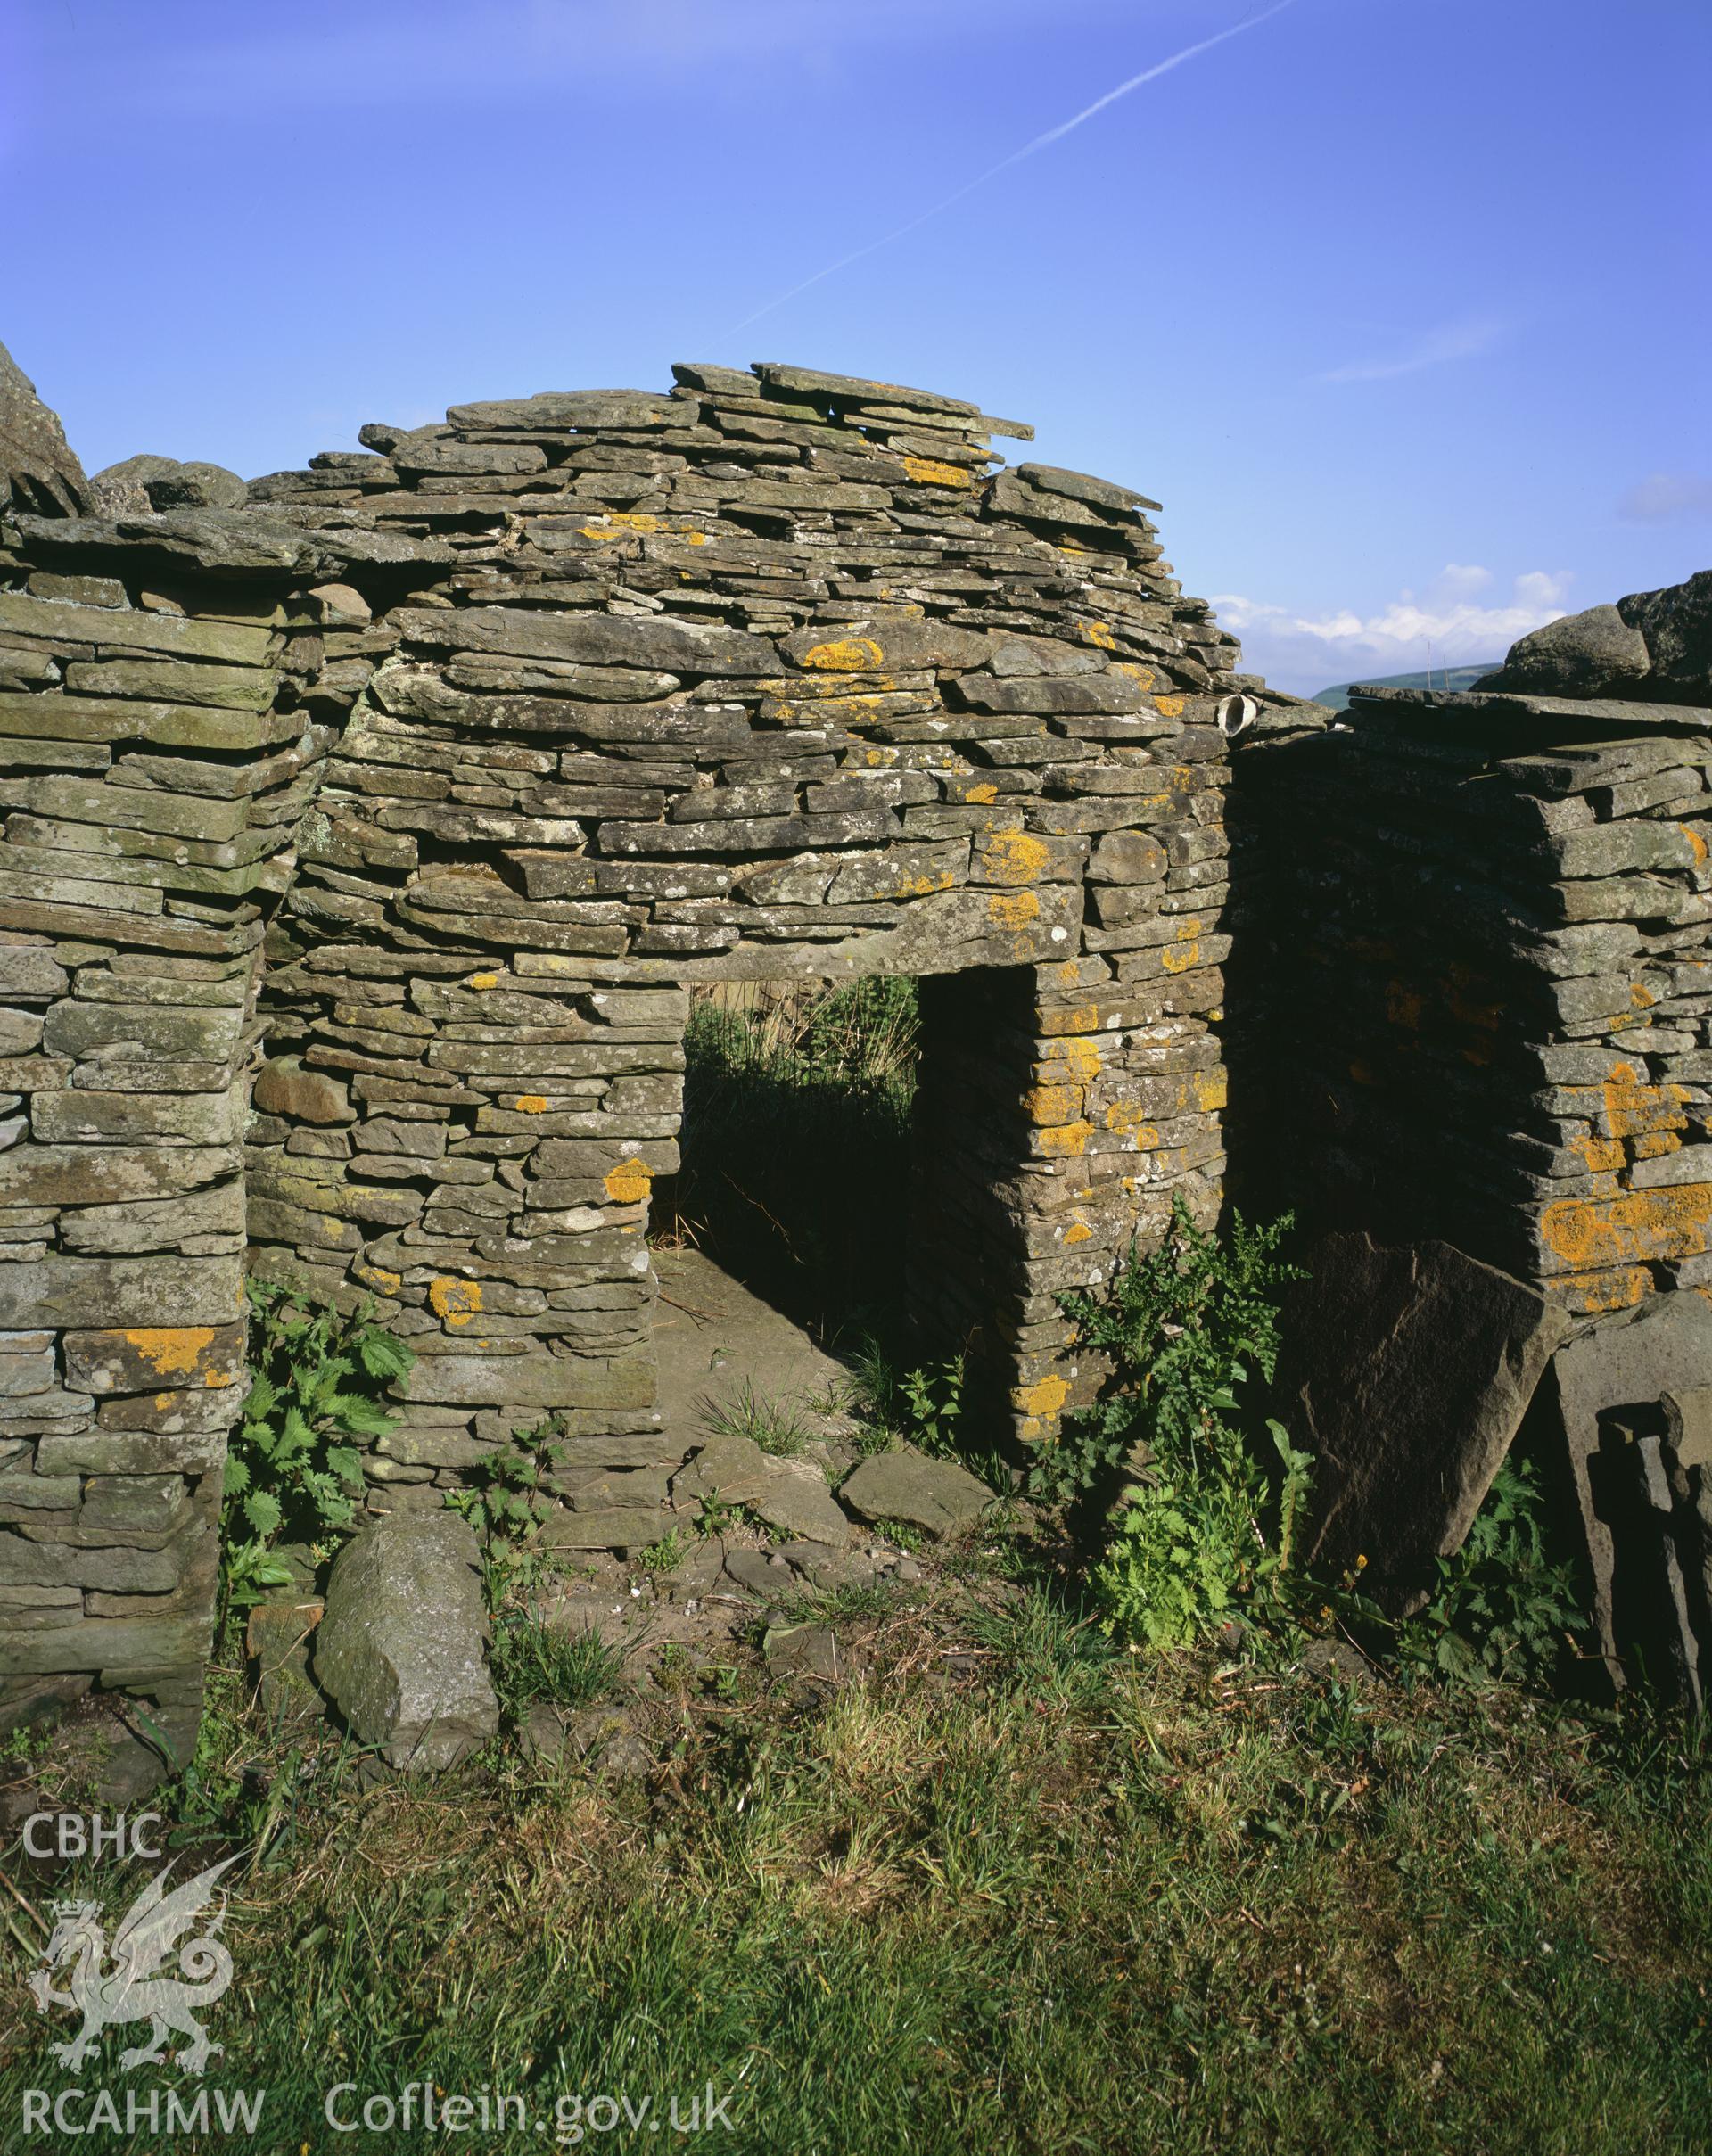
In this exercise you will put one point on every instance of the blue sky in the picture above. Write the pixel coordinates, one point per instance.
(1399, 306)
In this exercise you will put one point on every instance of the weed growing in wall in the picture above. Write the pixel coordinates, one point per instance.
(1197, 1526)
(506, 1498)
(294, 1465)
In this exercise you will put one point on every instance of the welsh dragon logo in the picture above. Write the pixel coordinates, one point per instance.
(125, 1983)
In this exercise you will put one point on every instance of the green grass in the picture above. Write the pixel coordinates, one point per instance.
(1010, 1891)
(531, 1662)
(774, 1425)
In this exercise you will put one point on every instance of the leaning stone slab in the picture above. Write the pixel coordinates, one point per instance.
(400, 1647)
(935, 1495)
(1405, 1372)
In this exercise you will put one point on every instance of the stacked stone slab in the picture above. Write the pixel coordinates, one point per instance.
(494, 739)
(1476, 931)
(769, 677)
(165, 706)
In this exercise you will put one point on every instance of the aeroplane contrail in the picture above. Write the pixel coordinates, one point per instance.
(1040, 142)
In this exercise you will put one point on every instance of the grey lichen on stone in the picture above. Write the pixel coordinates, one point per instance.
(935, 1495)
(401, 1647)
(39, 470)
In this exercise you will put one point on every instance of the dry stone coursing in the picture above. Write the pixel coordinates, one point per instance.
(1480, 998)
(418, 789)
(1480, 1004)
(765, 678)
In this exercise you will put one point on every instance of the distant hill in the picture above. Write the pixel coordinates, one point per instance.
(1441, 676)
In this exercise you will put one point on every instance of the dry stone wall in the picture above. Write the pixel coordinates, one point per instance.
(1480, 1000)
(418, 791)
(164, 711)
(769, 677)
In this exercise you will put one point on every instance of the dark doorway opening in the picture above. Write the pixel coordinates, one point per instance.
(798, 1149)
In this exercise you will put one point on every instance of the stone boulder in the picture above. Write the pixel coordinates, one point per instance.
(1676, 623)
(38, 471)
(936, 1496)
(400, 1647)
(1595, 654)
(1654, 647)
(1405, 1371)
(143, 485)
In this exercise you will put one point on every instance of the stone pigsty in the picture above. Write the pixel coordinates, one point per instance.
(365, 830)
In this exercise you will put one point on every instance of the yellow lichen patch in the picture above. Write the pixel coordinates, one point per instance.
(1600, 1291)
(1083, 1019)
(629, 1183)
(845, 655)
(484, 980)
(1078, 1231)
(928, 472)
(839, 693)
(454, 1301)
(1591, 1235)
(1015, 858)
(530, 1104)
(1074, 1060)
(1469, 997)
(378, 1278)
(1601, 1155)
(1179, 957)
(1142, 675)
(1130, 1119)
(1098, 634)
(1211, 1090)
(1069, 1142)
(919, 886)
(1695, 841)
(1640, 997)
(879, 759)
(1013, 909)
(1170, 707)
(1404, 1004)
(696, 538)
(982, 791)
(619, 521)
(1631, 1108)
(1654, 1144)
(1052, 1104)
(1045, 1396)
(173, 1351)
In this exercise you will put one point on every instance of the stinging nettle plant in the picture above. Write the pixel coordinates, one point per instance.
(1197, 1525)
(293, 1473)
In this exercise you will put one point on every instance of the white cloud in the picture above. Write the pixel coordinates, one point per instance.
(1667, 498)
(1447, 625)
(1450, 341)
